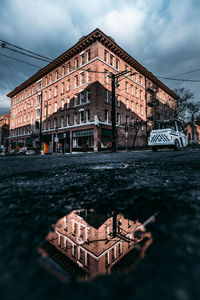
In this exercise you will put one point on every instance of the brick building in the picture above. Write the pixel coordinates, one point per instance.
(4, 130)
(84, 241)
(71, 97)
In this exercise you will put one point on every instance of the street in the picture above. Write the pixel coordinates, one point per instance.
(36, 191)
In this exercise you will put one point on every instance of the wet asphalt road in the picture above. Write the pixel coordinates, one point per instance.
(36, 191)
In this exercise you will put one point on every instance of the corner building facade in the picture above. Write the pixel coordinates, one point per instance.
(71, 98)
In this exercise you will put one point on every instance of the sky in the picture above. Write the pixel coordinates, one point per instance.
(163, 35)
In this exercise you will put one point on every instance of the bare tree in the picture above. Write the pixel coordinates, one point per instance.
(184, 98)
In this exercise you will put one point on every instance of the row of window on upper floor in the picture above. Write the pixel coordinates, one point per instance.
(116, 64)
(78, 62)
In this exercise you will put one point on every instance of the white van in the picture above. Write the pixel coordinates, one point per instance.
(169, 133)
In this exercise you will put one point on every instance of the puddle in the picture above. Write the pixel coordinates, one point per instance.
(85, 244)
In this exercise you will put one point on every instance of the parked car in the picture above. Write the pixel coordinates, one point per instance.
(13, 152)
(31, 152)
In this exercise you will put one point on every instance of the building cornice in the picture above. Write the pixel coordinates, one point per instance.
(84, 42)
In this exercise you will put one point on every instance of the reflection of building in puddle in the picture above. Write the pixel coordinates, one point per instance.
(87, 244)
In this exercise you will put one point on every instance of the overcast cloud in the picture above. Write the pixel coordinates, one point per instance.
(162, 35)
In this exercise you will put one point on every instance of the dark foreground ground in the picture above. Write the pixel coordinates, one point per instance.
(36, 191)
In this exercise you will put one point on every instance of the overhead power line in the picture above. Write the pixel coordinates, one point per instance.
(17, 51)
(20, 60)
(178, 79)
(186, 72)
(7, 43)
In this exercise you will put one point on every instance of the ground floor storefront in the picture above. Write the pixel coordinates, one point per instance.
(79, 139)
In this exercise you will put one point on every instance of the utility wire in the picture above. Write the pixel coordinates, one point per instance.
(178, 79)
(20, 60)
(17, 51)
(5, 43)
(186, 73)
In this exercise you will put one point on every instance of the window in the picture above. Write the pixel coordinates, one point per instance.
(111, 59)
(126, 86)
(55, 107)
(127, 120)
(82, 116)
(106, 96)
(107, 258)
(68, 84)
(87, 259)
(131, 90)
(113, 253)
(106, 75)
(88, 95)
(74, 228)
(63, 70)
(39, 85)
(141, 95)
(118, 101)
(107, 231)
(127, 106)
(56, 75)
(136, 92)
(46, 111)
(73, 249)
(132, 106)
(75, 100)
(76, 81)
(82, 59)
(105, 55)
(39, 98)
(75, 119)
(136, 77)
(63, 88)
(140, 79)
(45, 95)
(120, 249)
(38, 113)
(137, 108)
(68, 68)
(82, 78)
(82, 97)
(49, 109)
(131, 72)
(117, 64)
(87, 115)
(49, 93)
(88, 75)
(67, 120)
(56, 91)
(80, 255)
(141, 110)
(76, 63)
(62, 122)
(88, 55)
(68, 102)
(118, 119)
(62, 104)
(106, 115)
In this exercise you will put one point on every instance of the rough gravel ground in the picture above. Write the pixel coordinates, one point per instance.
(36, 191)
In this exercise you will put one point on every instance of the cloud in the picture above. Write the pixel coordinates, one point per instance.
(162, 35)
